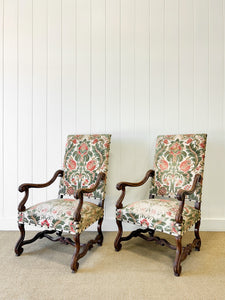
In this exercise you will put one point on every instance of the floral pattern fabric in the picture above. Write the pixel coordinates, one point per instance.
(177, 159)
(159, 215)
(58, 214)
(85, 157)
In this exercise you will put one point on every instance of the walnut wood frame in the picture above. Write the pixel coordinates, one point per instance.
(181, 252)
(77, 217)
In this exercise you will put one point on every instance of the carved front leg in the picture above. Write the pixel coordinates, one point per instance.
(197, 240)
(19, 244)
(177, 267)
(74, 264)
(117, 243)
(100, 235)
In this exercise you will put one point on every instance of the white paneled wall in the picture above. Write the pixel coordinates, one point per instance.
(132, 68)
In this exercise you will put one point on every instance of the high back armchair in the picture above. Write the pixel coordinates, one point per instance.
(176, 178)
(84, 173)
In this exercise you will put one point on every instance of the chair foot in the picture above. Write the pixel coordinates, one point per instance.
(19, 244)
(197, 236)
(74, 264)
(117, 242)
(100, 240)
(177, 267)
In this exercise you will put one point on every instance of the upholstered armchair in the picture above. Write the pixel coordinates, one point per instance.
(84, 174)
(174, 204)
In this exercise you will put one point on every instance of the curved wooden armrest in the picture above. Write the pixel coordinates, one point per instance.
(122, 185)
(181, 197)
(26, 186)
(79, 195)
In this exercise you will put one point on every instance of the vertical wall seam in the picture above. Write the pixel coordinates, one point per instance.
(164, 63)
(178, 69)
(209, 61)
(17, 96)
(76, 114)
(105, 74)
(61, 90)
(46, 114)
(32, 91)
(90, 129)
(194, 64)
(120, 75)
(3, 107)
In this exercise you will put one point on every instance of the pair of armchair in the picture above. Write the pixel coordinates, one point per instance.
(177, 176)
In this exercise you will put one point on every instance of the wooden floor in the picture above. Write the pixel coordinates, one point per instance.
(141, 270)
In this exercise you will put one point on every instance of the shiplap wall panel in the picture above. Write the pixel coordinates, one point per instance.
(113, 99)
(40, 91)
(68, 69)
(1, 108)
(141, 92)
(54, 96)
(216, 100)
(83, 87)
(98, 55)
(186, 69)
(131, 68)
(10, 142)
(25, 92)
(171, 62)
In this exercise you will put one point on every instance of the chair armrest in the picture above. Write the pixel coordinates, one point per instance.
(181, 197)
(26, 186)
(122, 185)
(79, 195)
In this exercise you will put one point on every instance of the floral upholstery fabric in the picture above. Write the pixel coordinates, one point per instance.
(177, 159)
(159, 215)
(58, 214)
(85, 157)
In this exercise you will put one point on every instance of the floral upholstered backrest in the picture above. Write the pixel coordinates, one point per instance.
(85, 157)
(177, 159)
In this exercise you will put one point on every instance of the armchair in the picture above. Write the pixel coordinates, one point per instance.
(84, 173)
(176, 178)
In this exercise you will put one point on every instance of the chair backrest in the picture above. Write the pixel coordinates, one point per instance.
(85, 157)
(177, 159)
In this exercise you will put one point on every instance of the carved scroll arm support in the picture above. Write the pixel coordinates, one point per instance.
(122, 186)
(79, 195)
(181, 197)
(26, 186)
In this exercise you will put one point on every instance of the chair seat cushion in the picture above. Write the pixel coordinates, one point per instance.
(159, 215)
(58, 214)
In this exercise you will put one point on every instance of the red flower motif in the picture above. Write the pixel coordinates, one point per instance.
(83, 149)
(165, 142)
(72, 227)
(74, 141)
(144, 222)
(202, 145)
(91, 165)
(163, 164)
(106, 145)
(162, 191)
(185, 165)
(72, 164)
(70, 190)
(69, 212)
(175, 149)
(189, 140)
(95, 141)
(45, 222)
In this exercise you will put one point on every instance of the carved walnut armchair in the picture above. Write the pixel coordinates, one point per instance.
(85, 168)
(176, 178)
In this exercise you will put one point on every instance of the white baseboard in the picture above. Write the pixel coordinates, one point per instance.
(207, 224)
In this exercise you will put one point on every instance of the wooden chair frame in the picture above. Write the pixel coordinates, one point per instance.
(181, 252)
(77, 217)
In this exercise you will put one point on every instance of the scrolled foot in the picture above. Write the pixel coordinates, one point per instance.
(18, 251)
(100, 241)
(177, 271)
(75, 267)
(198, 245)
(118, 246)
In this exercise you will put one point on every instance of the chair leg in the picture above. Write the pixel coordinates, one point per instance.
(100, 240)
(19, 244)
(74, 264)
(117, 242)
(197, 236)
(177, 267)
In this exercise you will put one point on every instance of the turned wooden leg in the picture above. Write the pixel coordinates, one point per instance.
(74, 264)
(197, 236)
(100, 232)
(176, 265)
(117, 243)
(19, 244)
